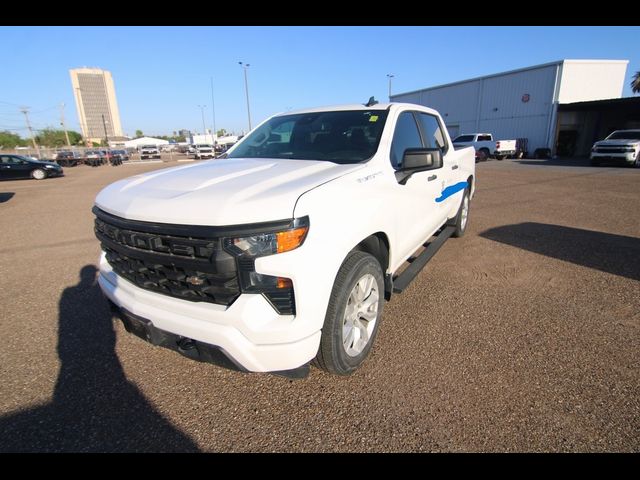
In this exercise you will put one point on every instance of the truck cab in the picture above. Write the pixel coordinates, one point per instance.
(284, 252)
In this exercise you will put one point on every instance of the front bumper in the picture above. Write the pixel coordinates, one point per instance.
(249, 332)
(628, 157)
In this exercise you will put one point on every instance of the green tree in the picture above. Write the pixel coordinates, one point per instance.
(635, 82)
(11, 140)
(139, 134)
(50, 137)
(221, 133)
(75, 138)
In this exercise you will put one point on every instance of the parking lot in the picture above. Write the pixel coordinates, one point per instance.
(524, 335)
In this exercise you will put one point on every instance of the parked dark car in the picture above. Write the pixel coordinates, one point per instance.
(122, 155)
(16, 166)
(68, 159)
(95, 157)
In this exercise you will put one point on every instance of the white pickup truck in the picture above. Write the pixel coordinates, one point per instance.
(484, 144)
(204, 151)
(149, 151)
(284, 251)
(621, 145)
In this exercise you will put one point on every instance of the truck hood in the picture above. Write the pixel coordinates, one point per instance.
(219, 192)
(616, 143)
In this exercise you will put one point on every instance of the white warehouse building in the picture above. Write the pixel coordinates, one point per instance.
(533, 103)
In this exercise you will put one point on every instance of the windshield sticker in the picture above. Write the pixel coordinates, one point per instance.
(373, 118)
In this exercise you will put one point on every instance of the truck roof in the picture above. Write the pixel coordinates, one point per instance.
(355, 106)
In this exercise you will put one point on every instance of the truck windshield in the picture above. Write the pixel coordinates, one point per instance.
(339, 137)
(625, 135)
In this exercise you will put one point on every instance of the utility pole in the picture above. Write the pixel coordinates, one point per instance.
(25, 110)
(66, 134)
(213, 110)
(106, 137)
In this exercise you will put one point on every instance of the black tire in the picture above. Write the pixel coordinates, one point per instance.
(487, 154)
(332, 355)
(461, 226)
(500, 157)
(594, 163)
(39, 174)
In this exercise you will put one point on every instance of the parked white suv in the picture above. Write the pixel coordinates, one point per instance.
(285, 251)
(621, 145)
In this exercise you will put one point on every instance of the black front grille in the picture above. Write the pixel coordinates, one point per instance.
(611, 150)
(186, 267)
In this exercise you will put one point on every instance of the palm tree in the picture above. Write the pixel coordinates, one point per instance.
(635, 83)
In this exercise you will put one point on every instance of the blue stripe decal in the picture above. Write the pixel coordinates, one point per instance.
(451, 190)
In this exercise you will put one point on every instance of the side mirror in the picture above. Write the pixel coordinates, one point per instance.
(420, 159)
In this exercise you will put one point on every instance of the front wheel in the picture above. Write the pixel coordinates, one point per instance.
(39, 174)
(353, 315)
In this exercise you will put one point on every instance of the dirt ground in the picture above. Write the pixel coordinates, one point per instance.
(524, 335)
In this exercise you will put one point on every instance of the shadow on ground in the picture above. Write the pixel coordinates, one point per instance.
(94, 407)
(568, 162)
(616, 254)
(6, 196)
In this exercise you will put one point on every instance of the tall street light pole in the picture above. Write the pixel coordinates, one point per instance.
(390, 76)
(106, 136)
(213, 110)
(246, 90)
(204, 128)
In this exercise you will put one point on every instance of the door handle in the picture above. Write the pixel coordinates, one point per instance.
(454, 167)
(432, 177)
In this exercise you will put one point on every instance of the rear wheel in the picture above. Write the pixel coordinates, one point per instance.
(353, 315)
(499, 157)
(486, 153)
(39, 174)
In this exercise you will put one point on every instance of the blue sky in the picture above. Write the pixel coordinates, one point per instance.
(162, 74)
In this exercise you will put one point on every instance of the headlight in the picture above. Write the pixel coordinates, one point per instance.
(270, 243)
(277, 290)
(50, 166)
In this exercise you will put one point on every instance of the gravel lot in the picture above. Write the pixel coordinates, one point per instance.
(522, 336)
